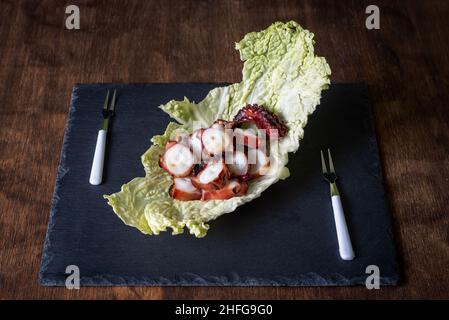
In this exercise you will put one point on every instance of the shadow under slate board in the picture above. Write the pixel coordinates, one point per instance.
(285, 237)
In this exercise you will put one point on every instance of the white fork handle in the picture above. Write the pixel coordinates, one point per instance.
(96, 173)
(344, 241)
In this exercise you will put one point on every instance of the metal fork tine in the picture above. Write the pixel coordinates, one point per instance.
(105, 106)
(323, 163)
(113, 101)
(331, 163)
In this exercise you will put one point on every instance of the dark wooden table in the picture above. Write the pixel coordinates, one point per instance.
(405, 63)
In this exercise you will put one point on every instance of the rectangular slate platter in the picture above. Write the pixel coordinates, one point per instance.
(285, 237)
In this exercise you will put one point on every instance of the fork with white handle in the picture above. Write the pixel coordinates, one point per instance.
(96, 173)
(344, 241)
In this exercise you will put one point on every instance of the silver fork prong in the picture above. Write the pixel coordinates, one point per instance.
(323, 163)
(113, 101)
(105, 105)
(331, 163)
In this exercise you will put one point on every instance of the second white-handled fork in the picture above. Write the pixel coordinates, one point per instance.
(344, 240)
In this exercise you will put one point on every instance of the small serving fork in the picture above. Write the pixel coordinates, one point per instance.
(96, 173)
(344, 241)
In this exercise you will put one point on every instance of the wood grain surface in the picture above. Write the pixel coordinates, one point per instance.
(405, 64)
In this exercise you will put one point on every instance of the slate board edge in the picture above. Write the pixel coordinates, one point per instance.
(310, 279)
(46, 257)
(386, 200)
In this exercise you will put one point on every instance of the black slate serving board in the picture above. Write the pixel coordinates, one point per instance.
(285, 237)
